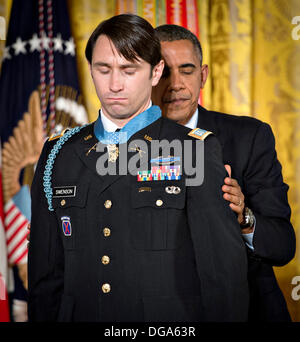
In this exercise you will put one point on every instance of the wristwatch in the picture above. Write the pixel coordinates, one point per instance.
(249, 218)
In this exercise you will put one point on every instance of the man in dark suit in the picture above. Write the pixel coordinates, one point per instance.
(145, 245)
(256, 191)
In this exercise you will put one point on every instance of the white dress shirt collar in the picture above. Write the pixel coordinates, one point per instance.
(109, 125)
(192, 123)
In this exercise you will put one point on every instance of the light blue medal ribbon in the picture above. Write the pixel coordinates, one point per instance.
(139, 122)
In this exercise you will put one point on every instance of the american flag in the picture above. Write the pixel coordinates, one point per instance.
(4, 307)
(16, 233)
(39, 58)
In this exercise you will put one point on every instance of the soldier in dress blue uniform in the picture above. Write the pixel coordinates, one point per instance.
(256, 192)
(142, 246)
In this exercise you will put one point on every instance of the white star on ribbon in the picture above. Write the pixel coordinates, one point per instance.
(70, 47)
(19, 46)
(6, 54)
(58, 43)
(46, 41)
(35, 43)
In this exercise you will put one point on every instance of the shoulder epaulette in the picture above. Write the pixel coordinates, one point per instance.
(199, 133)
(47, 178)
(55, 136)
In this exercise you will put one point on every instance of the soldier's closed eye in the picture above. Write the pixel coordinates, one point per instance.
(130, 70)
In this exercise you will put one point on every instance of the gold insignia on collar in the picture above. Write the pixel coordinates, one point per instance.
(146, 137)
(138, 149)
(91, 149)
(88, 137)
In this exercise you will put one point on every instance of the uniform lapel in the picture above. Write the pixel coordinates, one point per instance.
(206, 121)
(86, 150)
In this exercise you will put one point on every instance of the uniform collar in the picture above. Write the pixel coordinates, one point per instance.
(139, 122)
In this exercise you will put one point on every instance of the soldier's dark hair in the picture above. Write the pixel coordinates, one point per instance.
(171, 33)
(132, 36)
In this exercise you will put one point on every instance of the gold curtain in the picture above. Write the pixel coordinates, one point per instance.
(254, 70)
(276, 100)
(85, 15)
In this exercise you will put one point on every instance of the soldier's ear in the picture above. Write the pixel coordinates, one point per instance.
(157, 72)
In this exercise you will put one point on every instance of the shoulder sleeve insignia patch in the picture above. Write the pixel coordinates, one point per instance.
(55, 136)
(199, 133)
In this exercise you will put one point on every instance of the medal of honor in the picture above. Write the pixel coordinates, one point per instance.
(121, 136)
(113, 152)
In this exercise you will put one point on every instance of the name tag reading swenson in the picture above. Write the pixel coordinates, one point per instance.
(64, 191)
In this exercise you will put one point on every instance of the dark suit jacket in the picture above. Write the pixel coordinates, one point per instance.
(167, 262)
(249, 148)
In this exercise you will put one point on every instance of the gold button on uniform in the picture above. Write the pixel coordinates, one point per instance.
(159, 203)
(106, 288)
(107, 204)
(63, 202)
(105, 260)
(106, 232)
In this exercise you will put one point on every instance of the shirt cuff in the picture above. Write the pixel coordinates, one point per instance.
(248, 238)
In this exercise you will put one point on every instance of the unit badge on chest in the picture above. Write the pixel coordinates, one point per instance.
(66, 225)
